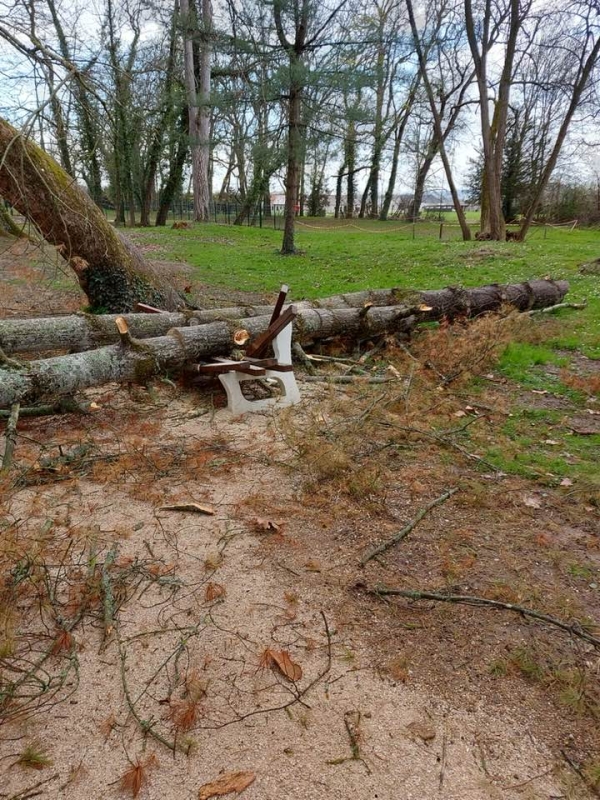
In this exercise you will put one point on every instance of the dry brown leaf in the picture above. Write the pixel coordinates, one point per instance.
(424, 730)
(531, 501)
(107, 726)
(312, 565)
(566, 482)
(282, 660)
(266, 524)
(214, 591)
(227, 784)
(196, 508)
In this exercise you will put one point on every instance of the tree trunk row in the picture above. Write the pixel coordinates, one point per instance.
(138, 361)
(87, 331)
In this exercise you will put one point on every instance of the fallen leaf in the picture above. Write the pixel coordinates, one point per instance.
(312, 565)
(266, 524)
(196, 508)
(539, 391)
(460, 414)
(393, 371)
(423, 307)
(227, 784)
(282, 660)
(214, 591)
(566, 482)
(423, 730)
(551, 441)
(531, 501)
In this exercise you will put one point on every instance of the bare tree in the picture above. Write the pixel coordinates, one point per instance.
(437, 121)
(199, 28)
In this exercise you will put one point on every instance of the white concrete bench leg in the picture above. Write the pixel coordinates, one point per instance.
(238, 404)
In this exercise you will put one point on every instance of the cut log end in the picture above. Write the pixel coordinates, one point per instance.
(241, 337)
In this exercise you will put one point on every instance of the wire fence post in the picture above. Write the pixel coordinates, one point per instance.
(545, 230)
(441, 230)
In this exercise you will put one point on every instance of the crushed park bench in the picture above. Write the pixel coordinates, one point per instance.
(255, 364)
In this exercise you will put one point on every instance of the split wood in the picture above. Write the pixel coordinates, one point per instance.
(574, 628)
(381, 548)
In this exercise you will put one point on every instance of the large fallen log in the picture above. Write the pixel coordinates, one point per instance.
(138, 360)
(87, 331)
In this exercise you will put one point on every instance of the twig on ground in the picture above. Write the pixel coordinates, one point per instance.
(443, 440)
(352, 725)
(443, 760)
(573, 628)
(549, 309)
(65, 405)
(11, 437)
(578, 771)
(381, 548)
(530, 780)
(108, 598)
(343, 379)
(32, 791)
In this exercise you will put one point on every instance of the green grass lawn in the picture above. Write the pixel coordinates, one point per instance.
(344, 256)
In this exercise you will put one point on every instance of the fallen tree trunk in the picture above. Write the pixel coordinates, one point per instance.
(139, 360)
(110, 270)
(85, 331)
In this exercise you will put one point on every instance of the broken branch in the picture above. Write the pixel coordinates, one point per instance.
(573, 628)
(377, 551)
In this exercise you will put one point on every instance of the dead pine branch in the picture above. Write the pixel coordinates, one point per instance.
(381, 548)
(11, 437)
(573, 628)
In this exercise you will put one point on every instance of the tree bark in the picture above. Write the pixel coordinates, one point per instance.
(165, 122)
(177, 163)
(86, 331)
(198, 107)
(140, 360)
(111, 272)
